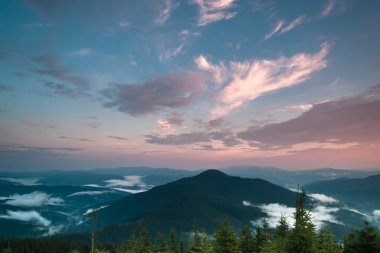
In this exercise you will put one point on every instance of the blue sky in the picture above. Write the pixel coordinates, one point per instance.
(189, 84)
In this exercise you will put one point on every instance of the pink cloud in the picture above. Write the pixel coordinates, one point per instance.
(172, 90)
(245, 81)
(327, 125)
(211, 11)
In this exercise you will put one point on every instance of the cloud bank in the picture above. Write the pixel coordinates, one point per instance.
(34, 199)
(173, 90)
(26, 216)
(338, 122)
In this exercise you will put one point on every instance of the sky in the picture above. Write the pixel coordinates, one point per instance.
(189, 84)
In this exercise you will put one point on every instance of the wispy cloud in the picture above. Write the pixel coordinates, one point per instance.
(128, 181)
(293, 24)
(34, 199)
(218, 71)
(275, 30)
(211, 11)
(5, 87)
(323, 198)
(119, 138)
(173, 90)
(226, 137)
(26, 216)
(75, 139)
(82, 52)
(165, 12)
(281, 27)
(248, 80)
(90, 193)
(23, 181)
(319, 215)
(328, 8)
(181, 139)
(89, 211)
(20, 147)
(172, 52)
(173, 120)
(65, 83)
(186, 38)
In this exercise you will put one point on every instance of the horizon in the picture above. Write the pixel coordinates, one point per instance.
(222, 169)
(189, 84)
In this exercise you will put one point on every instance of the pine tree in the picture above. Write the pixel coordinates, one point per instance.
(206, 246)
(302, 237)
(365, 240)
(226, 240)
(196, 245)
(144, 244)
(132, 244)
(173, 242)
(161, 244)
(326, 242)
(281, 234)
(262, 235)
(247, 241)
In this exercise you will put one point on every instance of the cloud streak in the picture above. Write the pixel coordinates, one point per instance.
(281, 27)
(165, 12)
(296, 22)
(23, 181)
(328, 8)
(277, 28)
(65, 83)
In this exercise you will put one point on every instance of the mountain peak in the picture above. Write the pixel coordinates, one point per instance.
(212, 173)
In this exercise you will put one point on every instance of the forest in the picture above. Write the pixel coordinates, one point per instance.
(301, 237)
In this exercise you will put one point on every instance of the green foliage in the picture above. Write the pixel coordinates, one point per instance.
(196, 245)
(365, 240)
(302, 237)
(247, 241)
(226, 240)
(161, 244)
(326, 242)
(144, 244)
(174, 248)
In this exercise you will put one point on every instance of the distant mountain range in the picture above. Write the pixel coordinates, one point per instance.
(41, 203)
(362, 193)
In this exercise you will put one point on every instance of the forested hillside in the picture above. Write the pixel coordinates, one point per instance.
(301, 236)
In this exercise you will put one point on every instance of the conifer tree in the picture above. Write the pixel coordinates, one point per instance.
(132, 244)
(302, 237)
(281, 234)
(144, 244)
(247, 241)
(326, 242)
(262, 235)
(226, 240)
(364, 240)
(161, 244)
(206, 246)
(196, 245)
(173, 242)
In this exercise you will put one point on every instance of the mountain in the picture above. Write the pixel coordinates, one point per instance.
(206, 199)
(361, 193)
(290, 178)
